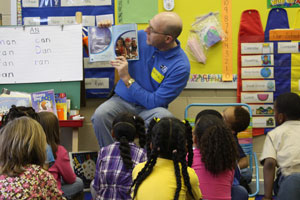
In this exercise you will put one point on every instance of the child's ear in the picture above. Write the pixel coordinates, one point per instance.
(281, 118)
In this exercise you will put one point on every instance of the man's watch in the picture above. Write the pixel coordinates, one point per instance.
(130, 82)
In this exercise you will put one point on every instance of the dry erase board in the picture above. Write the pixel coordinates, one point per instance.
(32, 54)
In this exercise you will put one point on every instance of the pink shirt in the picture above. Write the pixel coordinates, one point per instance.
(62, 167)
(212, 187)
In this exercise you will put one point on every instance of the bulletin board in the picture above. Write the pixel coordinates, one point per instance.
(190, 9)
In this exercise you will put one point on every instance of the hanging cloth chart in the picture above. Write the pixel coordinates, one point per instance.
(278, 19)
(295, 65)
(250, 31)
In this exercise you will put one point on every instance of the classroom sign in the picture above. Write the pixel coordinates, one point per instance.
(283, 3)
(32, 54)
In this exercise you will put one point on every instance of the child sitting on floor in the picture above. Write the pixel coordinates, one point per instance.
(238, 119)
(68, 183)
(238, 192)
(22, 155)
(19, 111)
(281, 149)
(165, 175)
(116, 161)
(215, 157)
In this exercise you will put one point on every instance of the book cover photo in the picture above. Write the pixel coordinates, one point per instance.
(61, 105)
(44, 101)
(106, 44)
(6, 102)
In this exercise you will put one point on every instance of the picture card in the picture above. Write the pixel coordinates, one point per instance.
(258, 85)
(288, 47)
(257, 97)
(261, 60)
(257, 48)
(263, 122)
(257, 72)
(262, 109)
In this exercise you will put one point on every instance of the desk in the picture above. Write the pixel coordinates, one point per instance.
(74, 124)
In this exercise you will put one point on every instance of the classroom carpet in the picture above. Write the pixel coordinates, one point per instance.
(88, 196)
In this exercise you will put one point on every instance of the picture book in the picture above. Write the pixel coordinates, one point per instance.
(7, 101)
(44, 101)
(106, 44)
(84, 166)
(61, 105)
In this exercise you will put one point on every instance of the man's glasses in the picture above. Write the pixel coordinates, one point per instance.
(151, 30)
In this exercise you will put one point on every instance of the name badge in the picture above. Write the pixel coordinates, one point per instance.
(157, 76)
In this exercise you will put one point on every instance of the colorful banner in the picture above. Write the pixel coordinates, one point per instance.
(283, 3)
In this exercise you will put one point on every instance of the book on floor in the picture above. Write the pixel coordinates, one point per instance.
(84, 166)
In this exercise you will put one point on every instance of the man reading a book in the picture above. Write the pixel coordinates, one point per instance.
(147, 85)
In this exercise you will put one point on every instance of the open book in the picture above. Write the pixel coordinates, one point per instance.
(107, 43)
(84, 166)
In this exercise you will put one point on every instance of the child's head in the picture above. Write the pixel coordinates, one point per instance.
(50, 124)
(237, 118)
(19, 111)
(208, 112)
(168, 140)
(216, 143)
(287, 107)
(125, 128)
(22, 142)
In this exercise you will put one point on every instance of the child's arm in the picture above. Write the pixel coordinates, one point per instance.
(243, 162)
(64, 166)
(269, 174)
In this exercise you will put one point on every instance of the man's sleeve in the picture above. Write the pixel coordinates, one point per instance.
(169, 89)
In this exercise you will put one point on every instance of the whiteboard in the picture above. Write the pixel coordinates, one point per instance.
(32, 54)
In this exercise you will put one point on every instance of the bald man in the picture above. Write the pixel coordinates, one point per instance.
(148, 85)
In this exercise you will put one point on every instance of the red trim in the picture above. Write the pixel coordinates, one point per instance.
(68, 123)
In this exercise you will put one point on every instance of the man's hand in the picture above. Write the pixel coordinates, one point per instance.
(121, 65)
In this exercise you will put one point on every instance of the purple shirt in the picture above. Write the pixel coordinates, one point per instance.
(112, 180)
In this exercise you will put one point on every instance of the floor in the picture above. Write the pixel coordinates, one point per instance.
(87, 196)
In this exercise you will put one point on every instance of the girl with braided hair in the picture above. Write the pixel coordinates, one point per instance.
(166, 175)
(215, 157)
(115, 162)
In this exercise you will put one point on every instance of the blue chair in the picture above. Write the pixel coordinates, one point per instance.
(247, 146)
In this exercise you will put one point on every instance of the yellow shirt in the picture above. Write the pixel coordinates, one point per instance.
(161, 183)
